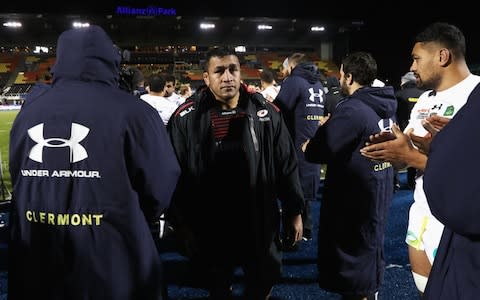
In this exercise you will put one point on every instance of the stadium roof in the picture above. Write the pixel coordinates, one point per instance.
(209, 8)
(127, 29)
(384, 28)
(177, 21)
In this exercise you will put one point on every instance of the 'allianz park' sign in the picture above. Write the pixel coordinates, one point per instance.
(145, 11)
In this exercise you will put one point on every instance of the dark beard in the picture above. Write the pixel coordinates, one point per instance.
(431, 84)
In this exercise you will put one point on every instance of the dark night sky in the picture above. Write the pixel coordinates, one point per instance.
(390, 40)
(388, 30)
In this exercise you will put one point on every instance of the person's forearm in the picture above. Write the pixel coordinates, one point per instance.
(416, 159)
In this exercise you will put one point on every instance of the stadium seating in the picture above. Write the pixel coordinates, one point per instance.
(20, 71)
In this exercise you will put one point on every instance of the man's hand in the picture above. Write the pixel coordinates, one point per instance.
(304, 145)
(297, 227)
(399, 151)
(388, 146)
(421, 142)
(381, 137)
(293, 230)
(435, 123)
(324, 119)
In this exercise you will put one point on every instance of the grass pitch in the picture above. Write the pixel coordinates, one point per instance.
(6, 121)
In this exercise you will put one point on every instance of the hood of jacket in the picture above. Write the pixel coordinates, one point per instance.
(381, 99)
(307, 70)
(86, 54)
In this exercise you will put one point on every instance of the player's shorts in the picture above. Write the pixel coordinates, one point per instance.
(424, 230)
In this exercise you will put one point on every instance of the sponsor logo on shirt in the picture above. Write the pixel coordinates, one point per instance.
(186, 111)
(314, 95)
(262, 113)
(449, 111)
(78, 152)
(385, 125)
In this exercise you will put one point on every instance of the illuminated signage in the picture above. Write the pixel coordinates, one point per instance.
(145, 11)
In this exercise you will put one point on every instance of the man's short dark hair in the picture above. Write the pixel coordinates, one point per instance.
(447, 35)
(267, 76)
(362, 66)
(157, 83)
(170, 78)
(218, 52)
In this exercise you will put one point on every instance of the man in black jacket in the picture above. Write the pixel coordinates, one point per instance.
(237, 159)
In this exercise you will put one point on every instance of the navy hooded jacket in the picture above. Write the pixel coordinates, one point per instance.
(92, 167)
(357, 193)
(453, 193)
(302, 101)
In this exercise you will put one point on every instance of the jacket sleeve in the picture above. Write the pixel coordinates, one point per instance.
(451, 175)
(151, 161)
(290, 191)
(286, 98)
(316, 151)
(337, 136)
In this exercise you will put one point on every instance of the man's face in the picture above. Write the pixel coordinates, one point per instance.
(286, 71)
(223, 77)
(285, 68)
(344, 90)
(169, 88)
(424, 66)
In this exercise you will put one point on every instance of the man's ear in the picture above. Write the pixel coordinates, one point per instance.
(206, 79)
(349, 78)
(445, 57)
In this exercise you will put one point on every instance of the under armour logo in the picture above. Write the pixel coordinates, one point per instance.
(385, 125)
(77, 151)
(313, 95)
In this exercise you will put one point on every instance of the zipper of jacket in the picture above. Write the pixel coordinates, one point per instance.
(252, 133)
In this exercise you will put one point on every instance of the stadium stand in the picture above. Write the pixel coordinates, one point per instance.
(21, 70)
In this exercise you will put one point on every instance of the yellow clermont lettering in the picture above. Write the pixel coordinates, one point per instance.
(314, 118)
(381, 166)
(63, 219)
